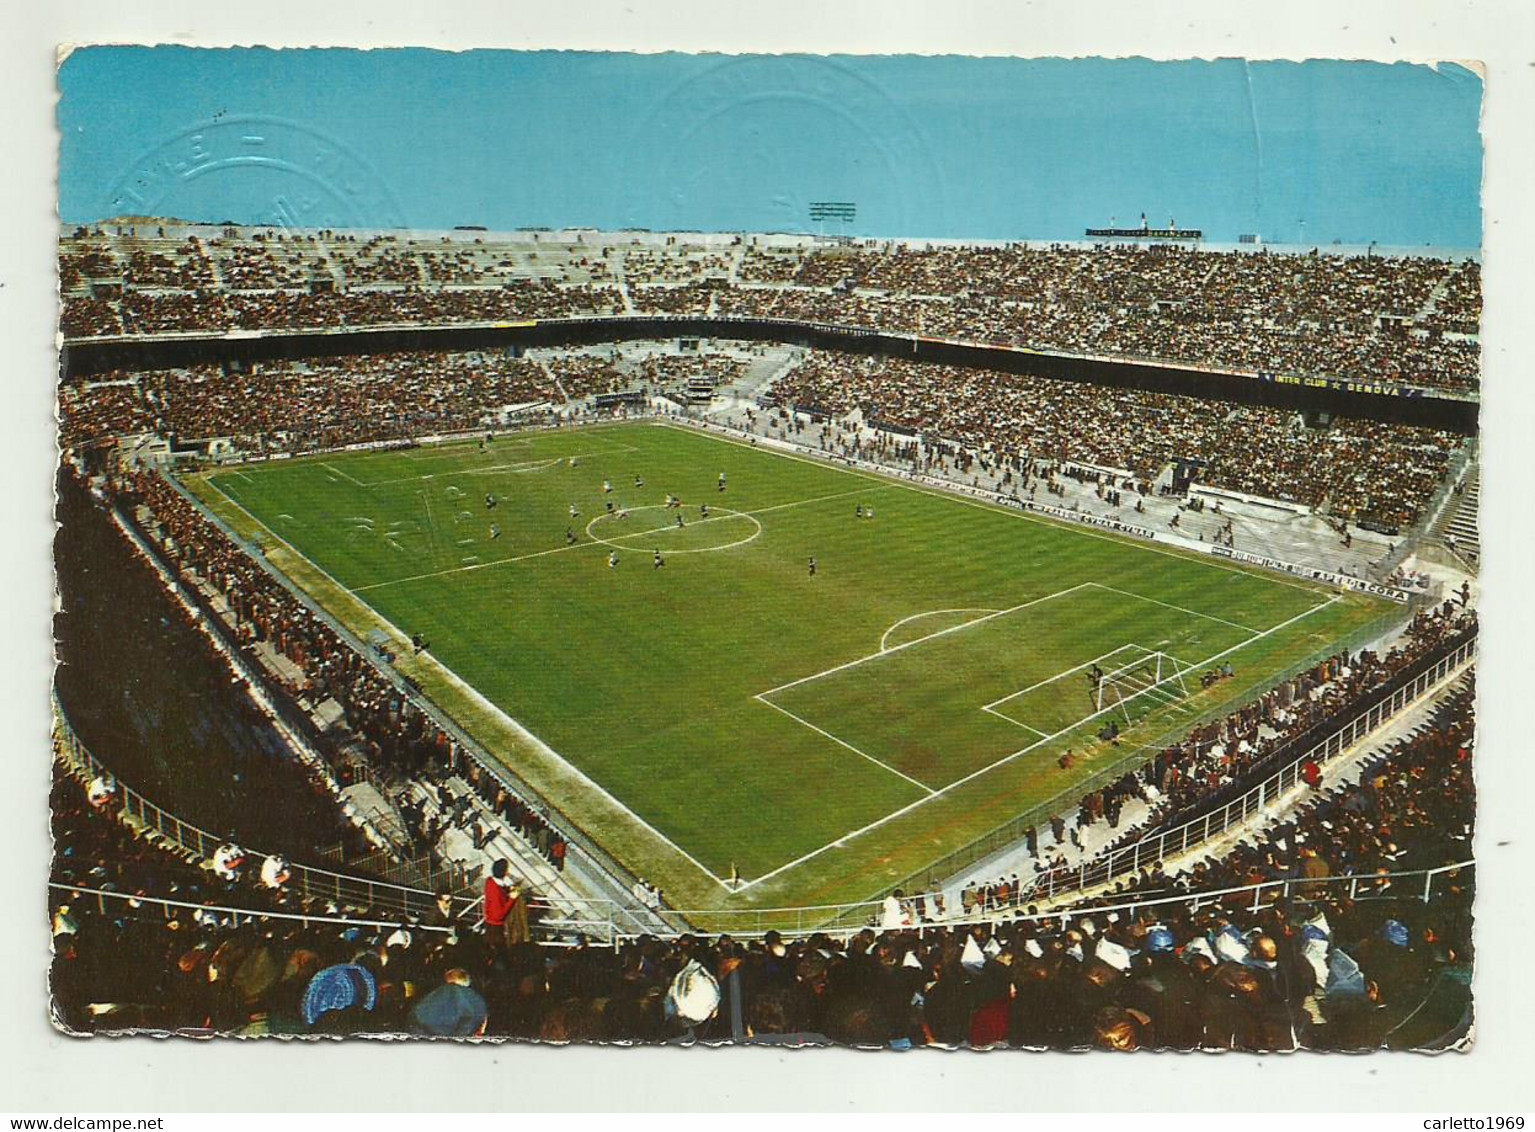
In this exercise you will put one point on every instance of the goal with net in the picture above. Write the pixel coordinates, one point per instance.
(1152, 680)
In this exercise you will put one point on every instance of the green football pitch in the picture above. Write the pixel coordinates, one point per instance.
(732, 713)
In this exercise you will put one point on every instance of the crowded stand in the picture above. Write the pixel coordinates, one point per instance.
(400, 745)
(1217, 763)
(122, 960)
(144, 935)
(1354, 470)
(1357, 470)
(1327, 967)
(324, 403)
(1371, 318)
(674, 264)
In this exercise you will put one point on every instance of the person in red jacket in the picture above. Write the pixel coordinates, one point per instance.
(498, 902)
(1311, 774)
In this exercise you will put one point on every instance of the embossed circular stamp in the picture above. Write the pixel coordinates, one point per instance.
(727, 141)
(294, 177)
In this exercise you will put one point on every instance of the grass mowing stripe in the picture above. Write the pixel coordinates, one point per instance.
(642, 680)
(955, 497)
(988, 769)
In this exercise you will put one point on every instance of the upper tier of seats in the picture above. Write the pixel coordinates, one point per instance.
(1412, 320)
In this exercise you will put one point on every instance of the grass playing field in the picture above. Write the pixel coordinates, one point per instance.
(823, 734)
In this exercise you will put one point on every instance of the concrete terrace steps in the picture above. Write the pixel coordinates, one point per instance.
(526, 861)
(1342, 770)
(1457, 527)
(1431, 303)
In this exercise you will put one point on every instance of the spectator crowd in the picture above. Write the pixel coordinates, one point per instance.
(386, 735)
(1371, 318)
(1325, 967)
(1355, 469)
(1219, 762)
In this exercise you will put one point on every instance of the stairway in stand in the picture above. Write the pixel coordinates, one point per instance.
(1457, 528)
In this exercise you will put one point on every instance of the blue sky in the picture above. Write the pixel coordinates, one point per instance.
(939, 147)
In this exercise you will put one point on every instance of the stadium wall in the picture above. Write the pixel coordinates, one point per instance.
(81, 358)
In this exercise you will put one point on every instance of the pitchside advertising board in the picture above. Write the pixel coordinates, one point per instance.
(1083, 517)
(1361, 585)
(1344, 581)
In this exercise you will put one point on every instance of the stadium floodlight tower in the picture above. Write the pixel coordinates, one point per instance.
(1154, 678)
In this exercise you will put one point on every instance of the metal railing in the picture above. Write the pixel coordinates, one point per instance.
(237, 916)
(948, 867)
(576, 840)
(1420, 885)
(616, 915)
(137, 810)
(1360, 886)
(1129, 860)
(606, 920)
(854, 915)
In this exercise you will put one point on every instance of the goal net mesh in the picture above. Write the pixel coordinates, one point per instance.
(1145, 684)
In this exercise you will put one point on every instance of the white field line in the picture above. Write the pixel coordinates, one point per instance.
(617, 541)
(983, 505)
(1014, 722)
(431, 523)
(1125, 668)
(931, 613)
(1164, 693)
(537, 466)
(816, 499)
(1061, 675)
(919, 640)
(313, 565)
(479, 698)
(941, 791)
(435, 451)
(843, 743)
(521, 466)
(339, 472)
(584, 545)
(453, 449)
(1179, 608)
(584, 780)
(478, 565)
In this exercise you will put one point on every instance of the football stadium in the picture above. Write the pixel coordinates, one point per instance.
(612, 635)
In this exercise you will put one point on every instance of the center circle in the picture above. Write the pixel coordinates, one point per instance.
(621, 541)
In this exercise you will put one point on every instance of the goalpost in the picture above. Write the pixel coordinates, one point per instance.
(1156, 679)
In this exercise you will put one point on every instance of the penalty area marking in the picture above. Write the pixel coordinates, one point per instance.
(991, 708)
(919, 640)
(973, 775)
(930, 613)
(844, 743)
(1179, 608)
